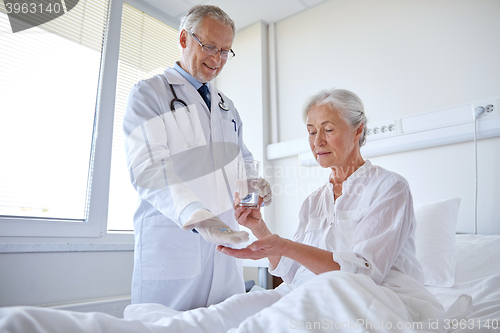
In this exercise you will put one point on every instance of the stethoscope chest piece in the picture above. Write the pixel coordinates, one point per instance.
(223, 105)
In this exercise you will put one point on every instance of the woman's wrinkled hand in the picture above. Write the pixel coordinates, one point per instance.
(269, 246)
(247, 217)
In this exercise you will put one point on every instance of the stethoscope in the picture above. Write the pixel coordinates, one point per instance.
(223, 107)
(174, 100)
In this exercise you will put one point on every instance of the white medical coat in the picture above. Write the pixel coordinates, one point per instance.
(172, 166)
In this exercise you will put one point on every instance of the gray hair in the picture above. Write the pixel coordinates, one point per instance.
(349, 105)
(191, 21)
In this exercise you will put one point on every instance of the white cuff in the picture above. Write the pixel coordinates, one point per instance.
(188, 210)
(350, 262)
(283, 267)
(196, 217)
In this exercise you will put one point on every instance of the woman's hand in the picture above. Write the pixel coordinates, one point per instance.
(249, 218)
(268, 246)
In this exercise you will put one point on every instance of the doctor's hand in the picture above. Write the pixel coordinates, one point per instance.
(269, 246)
(260, 184)
(212, 229)
(264, 191)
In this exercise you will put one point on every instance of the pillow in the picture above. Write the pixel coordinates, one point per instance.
(435, 241)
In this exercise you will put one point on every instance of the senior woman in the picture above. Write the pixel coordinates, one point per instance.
(356, 232)
(361, 221)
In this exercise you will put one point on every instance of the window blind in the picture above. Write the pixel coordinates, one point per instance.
(83, 23)
(147, 47)
(48, 87)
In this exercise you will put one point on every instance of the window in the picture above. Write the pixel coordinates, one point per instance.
(147, 47)
(48, 87)
(58, 89)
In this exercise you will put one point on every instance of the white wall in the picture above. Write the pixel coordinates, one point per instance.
(245, 80)
(249, 67)
(47, 278)
(402, 58)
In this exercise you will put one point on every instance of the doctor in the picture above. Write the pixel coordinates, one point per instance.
(183, 144)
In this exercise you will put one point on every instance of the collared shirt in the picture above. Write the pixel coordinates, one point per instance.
(195, 83)
(370, 228)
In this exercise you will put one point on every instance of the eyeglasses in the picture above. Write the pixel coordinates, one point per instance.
(212, 50)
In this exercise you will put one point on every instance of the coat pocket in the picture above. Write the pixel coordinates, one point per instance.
(229, 132)
(168, 252)
(346, 224)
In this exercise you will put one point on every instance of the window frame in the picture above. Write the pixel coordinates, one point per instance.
(95, 226)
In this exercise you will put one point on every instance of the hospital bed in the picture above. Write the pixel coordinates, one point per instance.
(462, 271)
(477, 275)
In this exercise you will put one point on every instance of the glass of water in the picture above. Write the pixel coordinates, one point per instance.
(249, 175)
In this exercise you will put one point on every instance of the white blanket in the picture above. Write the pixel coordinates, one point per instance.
(345, 302)
(333, 301)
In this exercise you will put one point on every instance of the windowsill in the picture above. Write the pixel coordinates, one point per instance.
(65, 247)
(111, 242)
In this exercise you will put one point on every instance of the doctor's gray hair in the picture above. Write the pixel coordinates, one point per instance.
(191, 21)
(349, 105)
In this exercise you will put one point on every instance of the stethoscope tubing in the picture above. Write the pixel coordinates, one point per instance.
(174, 100)
(223, 107)
(172, 108)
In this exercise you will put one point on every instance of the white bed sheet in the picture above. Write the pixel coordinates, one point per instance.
(333, 301)
(477, 275)
(328, 299)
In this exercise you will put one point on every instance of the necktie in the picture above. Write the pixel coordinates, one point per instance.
(204, 94)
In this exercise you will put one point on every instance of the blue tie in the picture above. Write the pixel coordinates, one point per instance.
(203, 90)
